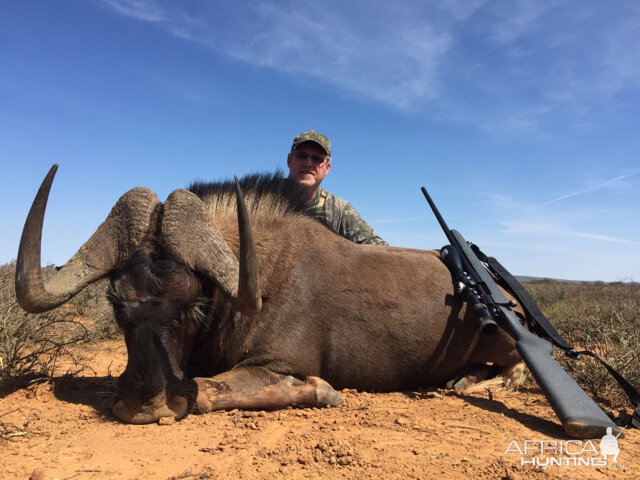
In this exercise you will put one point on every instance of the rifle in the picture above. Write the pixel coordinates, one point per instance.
(580, 416)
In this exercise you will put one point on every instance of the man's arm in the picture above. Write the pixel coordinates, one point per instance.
(353, 227)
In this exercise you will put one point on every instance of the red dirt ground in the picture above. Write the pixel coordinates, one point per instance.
(64, 429)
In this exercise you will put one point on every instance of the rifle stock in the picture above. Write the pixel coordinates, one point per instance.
(580, 416)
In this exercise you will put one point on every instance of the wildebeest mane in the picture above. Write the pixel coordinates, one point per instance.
(265, 191)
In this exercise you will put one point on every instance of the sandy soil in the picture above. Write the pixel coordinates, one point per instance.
(64, 430)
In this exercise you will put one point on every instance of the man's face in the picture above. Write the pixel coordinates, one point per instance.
(308, 164)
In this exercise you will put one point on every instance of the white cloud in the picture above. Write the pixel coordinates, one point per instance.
(598, 186)
(389, 53)
(537, 228)
(145, 10)
(511, 65)
(587, 222)
(514, 20)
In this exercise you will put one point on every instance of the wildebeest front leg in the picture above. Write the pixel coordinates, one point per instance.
(261, 389)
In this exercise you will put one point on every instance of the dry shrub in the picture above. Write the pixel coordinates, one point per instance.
(596, 316)
(32, 344)
(91, 304)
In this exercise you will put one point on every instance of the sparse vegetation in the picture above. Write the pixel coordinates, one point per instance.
(601, 317)
(31, 345)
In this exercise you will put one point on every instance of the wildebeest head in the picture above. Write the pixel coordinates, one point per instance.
(155, 255)
(155, 302)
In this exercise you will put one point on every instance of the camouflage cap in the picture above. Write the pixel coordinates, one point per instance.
(312, 136)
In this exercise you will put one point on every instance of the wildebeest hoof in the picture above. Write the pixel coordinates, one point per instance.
(207, 391)
(325, 394)
(459, 384)
(472, 375)
(131, 411)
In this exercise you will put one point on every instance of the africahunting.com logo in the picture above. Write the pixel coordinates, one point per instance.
(565, 453)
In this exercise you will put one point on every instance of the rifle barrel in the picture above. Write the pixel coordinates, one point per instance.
(436, 212)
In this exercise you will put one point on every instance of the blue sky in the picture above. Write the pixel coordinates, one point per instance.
(521, 118)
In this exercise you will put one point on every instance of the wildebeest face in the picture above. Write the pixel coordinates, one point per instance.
(156, 305)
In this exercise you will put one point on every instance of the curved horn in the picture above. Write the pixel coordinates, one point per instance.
(192, 235)
(111, 244)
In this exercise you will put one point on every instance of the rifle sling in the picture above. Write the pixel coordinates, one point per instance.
(632, 393)
(543, 327)
(541, 324)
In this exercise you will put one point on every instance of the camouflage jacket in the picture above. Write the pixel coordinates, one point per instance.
(342, 218)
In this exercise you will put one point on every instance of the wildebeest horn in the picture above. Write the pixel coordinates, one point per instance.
(192, 235)
(111, 244)
(249, 295)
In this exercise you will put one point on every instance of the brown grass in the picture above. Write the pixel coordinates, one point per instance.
(597, 316)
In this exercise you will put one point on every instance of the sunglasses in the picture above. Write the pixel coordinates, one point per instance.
(316, 159)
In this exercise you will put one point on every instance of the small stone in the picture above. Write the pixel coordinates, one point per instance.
(38, 474)
(166, 420)
(512, 475)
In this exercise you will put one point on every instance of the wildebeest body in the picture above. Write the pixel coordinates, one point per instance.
(368, 317)
(360, 316)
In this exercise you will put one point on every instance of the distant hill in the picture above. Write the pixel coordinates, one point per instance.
(525, 278)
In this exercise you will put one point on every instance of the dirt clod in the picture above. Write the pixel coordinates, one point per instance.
(166, 421)
(37, 474)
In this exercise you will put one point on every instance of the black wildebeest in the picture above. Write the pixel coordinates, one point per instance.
(261, 307)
